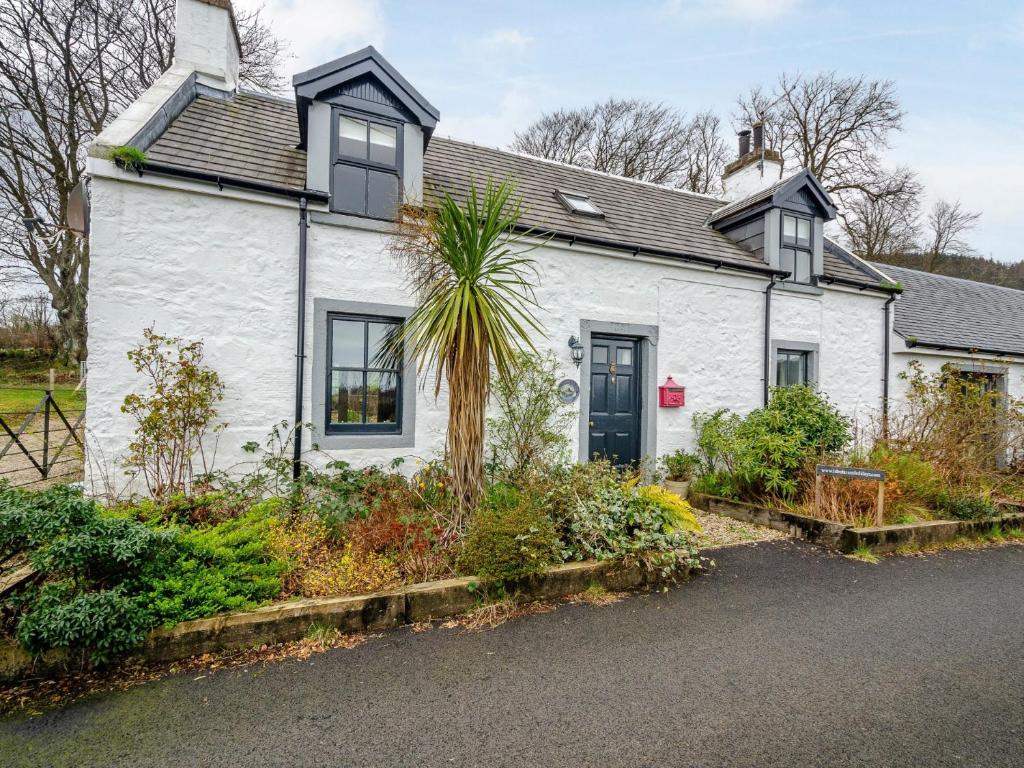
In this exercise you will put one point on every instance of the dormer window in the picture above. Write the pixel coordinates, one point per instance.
(575, 202)
(796, 253)
(367, 159)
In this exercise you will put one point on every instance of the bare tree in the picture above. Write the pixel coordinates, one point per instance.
(838, 127)
(834, 126)
(947, 223)
(878, 227)
(632, 138)
(67, 68)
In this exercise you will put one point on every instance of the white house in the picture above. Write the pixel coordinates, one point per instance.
(947, 322)
(260, 225)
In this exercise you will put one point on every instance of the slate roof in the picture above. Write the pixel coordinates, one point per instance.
(250, 137)
(839, 262)
(952, 313)
(255, 137)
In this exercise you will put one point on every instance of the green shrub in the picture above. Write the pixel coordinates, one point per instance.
(108, 579)
(102, 624)
(618, 522)
(28, 519)
(764, 452)
(509, 538)
(680, 465)
(226, 567)
(961, 505)
(718, 483)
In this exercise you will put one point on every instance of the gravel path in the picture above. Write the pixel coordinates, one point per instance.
(786, 655)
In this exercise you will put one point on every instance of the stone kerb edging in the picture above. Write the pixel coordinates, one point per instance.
(291, 620)
(847, 538)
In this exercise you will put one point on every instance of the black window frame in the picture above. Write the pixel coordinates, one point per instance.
(805, 355)
(366, 164)
(797, 248)
(363, 427)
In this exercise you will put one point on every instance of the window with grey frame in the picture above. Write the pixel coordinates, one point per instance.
(367, 159)
(796, 255)
(792, 367)
(364, 386)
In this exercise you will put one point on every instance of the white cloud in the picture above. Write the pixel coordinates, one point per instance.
(743, 10)
(317, 31)
(506, 38)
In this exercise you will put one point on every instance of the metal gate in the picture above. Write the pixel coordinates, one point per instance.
(45, 444)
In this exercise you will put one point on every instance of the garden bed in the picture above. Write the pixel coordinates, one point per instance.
(849, 538)
(291, 620)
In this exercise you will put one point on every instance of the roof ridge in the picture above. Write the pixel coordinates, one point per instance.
(952, 278)
(282, 100)
(570, 166)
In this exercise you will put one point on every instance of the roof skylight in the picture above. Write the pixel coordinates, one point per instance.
(576, 202)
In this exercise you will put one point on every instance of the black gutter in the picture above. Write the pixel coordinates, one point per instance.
(968, 350)
(885, 368)
(230, 181)
(300, 344)
(768, 338)
(636, 250)
(831, 280)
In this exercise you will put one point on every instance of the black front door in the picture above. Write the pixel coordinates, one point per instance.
(615, 382)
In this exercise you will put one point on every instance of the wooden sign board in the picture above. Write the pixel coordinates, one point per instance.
(851, 473)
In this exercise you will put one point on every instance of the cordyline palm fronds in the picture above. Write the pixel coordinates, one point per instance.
(469, 269)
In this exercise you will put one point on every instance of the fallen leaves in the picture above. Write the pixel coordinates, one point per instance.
(34, 695)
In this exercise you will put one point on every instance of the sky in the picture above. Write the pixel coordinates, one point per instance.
(492, 68)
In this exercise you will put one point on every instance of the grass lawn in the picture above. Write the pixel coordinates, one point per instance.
(23, 399)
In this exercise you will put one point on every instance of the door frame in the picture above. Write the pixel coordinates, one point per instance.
(647, 335)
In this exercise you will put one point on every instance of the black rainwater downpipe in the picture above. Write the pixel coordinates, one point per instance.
(885, 369)
(300, 342)
(768, 337)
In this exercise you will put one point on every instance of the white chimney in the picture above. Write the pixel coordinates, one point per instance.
(755, 169)
(206, 41)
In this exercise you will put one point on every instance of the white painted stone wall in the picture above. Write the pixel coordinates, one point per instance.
(933, 360)
(221, 266)
(205, 42)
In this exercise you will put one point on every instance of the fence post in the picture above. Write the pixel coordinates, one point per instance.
(46, 428)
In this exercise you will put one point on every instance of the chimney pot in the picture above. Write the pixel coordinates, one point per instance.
(744, 142)
(758, 136)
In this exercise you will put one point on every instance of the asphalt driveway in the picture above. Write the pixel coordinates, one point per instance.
(785, 656)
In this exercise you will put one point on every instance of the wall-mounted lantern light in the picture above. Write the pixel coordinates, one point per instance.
(576, 348)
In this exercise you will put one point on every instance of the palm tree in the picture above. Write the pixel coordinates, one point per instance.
(468, 266)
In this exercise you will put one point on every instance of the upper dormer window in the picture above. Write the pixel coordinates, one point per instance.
(581, 204)
(367, 140)
(796, 253)
(367, 159)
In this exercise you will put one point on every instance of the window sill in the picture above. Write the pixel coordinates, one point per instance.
(333, 219)
(805, 288)
(355, 440)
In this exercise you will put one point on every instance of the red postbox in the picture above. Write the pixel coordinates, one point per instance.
(671, 395)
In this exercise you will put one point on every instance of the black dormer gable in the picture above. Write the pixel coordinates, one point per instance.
(782, 224)
(365, 78)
